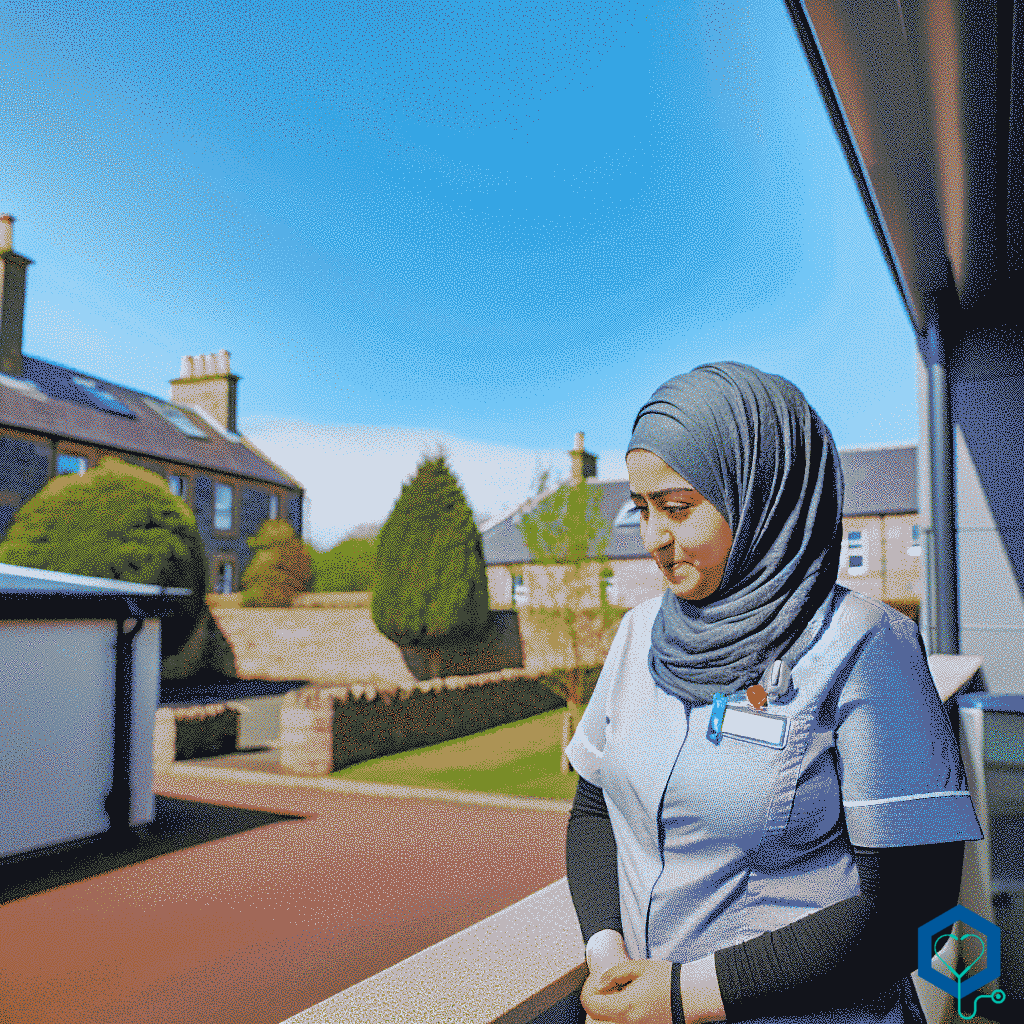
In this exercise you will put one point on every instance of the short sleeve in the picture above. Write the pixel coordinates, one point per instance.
(902, 778)
(586, 748)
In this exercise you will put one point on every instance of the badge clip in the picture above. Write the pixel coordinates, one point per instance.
(717, 717)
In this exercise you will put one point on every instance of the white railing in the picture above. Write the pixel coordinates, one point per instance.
(508, 969)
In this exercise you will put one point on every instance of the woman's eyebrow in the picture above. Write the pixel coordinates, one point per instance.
(662, 494)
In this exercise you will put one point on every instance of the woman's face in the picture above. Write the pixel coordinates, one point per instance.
(688, 537)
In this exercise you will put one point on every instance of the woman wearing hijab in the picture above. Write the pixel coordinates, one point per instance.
(771, 799)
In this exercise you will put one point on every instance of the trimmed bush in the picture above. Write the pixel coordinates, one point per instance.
(280, 568)
(116, 522)
(429, 580)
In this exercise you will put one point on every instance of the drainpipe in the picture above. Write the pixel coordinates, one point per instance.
(943, 486)
(118, 803)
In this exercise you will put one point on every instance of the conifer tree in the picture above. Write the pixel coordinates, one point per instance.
(429, 580)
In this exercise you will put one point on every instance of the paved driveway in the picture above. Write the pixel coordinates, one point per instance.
(260, 925)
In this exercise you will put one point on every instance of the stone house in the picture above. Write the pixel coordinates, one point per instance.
(882, 535)
(56, 420)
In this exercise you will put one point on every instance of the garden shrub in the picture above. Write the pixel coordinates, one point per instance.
(117, 522)
(280, 568)
(429, 580)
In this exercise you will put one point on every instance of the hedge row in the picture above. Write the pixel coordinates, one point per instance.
(390, 723)
(205, 732)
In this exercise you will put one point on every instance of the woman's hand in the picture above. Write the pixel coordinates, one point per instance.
(632, 992)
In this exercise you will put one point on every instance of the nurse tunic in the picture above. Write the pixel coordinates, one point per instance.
(719, 843)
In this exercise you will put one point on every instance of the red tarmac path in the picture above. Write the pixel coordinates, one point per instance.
(256, 927)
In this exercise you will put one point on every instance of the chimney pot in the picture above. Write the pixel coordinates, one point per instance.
(223, 361)
(579, 441)
(6, 232)
(186, 366)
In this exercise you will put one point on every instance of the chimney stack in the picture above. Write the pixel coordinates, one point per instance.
(207, 382)
(12, 299)
(584, 463)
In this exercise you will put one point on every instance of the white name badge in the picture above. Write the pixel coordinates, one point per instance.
(754, 726)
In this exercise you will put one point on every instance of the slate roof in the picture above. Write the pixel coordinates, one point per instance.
(52, 399)
(880, 481)
(877, 481)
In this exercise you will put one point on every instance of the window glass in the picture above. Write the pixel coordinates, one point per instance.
(520, 592)
(222, 504)
(177, 484)
(71, 464)
(273, 506)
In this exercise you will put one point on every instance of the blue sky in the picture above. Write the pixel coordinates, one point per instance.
(487, 225)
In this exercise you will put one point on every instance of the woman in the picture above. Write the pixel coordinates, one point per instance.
(771, 799)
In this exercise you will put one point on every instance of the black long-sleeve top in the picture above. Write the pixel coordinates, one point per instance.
(851, 950)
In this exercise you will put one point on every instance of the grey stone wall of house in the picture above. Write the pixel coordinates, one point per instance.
(295, 513)
(24, 471)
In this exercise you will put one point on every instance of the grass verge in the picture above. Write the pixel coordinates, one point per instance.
(518, 759)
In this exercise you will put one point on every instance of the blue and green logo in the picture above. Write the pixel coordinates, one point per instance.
(981, 937)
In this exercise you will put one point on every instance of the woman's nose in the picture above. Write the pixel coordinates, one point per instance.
(656, 533)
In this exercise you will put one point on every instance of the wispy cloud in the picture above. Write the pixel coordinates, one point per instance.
(353, 473)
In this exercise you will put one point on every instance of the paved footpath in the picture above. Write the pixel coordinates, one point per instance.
(255, 927)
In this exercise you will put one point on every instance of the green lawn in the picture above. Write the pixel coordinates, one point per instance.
(519, 759)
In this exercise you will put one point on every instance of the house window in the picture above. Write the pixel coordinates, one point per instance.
(273, 506)
(223, 502)
(224, 578)
(611, 589)
(71, 464)
(915, 541)
(520, 592)
(855, 552)
(177, 485)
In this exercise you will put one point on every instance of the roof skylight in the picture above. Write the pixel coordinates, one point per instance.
(176, 418)
(103, 398)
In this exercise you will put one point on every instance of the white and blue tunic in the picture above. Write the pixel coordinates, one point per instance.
(718, 844)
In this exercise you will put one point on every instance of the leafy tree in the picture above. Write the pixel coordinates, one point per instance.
(119, 522)
(348, 566)
(280, 568)
(567, 535)
(429, 580)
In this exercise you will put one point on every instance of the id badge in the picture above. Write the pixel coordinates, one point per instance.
(746, 724)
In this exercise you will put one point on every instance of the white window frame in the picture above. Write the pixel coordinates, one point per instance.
(520, 591)
(851, 550)
(218, 510)
(915, 541)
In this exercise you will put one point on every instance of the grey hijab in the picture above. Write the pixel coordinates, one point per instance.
(750, 443)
